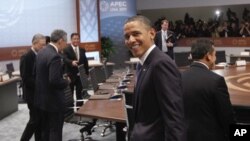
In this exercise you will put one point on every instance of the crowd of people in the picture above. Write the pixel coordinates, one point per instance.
(216, 27)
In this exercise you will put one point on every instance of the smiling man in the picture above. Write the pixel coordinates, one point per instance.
(158, 105)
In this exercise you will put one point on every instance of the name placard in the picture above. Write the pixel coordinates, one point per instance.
(241, 63)
(5, 77)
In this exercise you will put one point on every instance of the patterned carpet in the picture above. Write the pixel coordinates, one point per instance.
(11, 128)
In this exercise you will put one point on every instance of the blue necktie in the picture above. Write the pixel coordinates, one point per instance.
(138, 71)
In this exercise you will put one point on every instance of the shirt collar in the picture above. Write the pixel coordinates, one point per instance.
(145, 55)
(32, 48)
(202, 64)
(74, 46)
(54, 47)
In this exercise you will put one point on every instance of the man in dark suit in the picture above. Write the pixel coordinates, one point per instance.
(50, 84)
(73, 57)
(206, 100)
(165, 39)
(158, 104)
(27, 71)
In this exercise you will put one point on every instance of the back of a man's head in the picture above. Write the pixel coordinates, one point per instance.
(200, 48)
(37, 37)
(58, 34)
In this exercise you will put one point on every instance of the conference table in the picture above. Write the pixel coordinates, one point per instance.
(238, 82)
(108, 109)
(234, 58)
(237, 79)
(8, 97)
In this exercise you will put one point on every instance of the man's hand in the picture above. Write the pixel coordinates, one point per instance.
(75, 63)
(169, 44)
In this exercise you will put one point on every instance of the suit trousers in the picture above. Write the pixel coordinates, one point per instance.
(78, 86)
(33, 125)
(52, 125)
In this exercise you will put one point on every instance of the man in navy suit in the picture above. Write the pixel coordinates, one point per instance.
(206, 100)
(73, 57)
(158, 105)
(165, 39)
(27, 72)
(50, 84)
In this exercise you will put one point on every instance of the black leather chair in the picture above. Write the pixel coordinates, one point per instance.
(84, 81)
(95, 86)
(10, 69)
(220, 56)
(182, 59)
(86, 130)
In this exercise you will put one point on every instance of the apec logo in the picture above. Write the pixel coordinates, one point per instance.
(239, 132)
(113, 6)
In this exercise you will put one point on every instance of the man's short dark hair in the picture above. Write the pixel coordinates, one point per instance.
(200, 48)
(73, 34)
(141, 19)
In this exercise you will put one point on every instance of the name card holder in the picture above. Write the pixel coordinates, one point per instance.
(245, 53)
(241, 63)
(5, 77)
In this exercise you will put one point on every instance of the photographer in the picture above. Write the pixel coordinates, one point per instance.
(244, 29)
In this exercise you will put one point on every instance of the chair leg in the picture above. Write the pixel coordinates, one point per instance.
(109, 125)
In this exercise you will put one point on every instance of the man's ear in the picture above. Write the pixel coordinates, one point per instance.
(152, 33)
(208, 57)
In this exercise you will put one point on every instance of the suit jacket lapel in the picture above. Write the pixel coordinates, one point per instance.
(73, 52)
(140, 78)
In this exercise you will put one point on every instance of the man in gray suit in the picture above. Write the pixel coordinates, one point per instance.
(206, 100)
(158, 104)
(27, 72)
(50, 85)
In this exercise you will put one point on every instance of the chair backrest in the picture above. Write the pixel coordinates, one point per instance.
(220, 56)
(128, 102)
(182, 59)
(93, 79)
(105, 69)
(100, 74)
(83, 78)
(10, 67)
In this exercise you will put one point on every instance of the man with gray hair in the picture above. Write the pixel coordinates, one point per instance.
(49, 98)
(27, 65)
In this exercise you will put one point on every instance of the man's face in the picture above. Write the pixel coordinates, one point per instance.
(138, 37)
(164, 26)
(62, 43)
(40, 44)
(75, 40)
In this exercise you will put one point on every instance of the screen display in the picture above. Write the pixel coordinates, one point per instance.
(21, 19)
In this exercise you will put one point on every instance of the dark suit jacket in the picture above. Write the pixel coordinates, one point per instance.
(69, 56)
(49, 80)
(207, 105)
(158, 40)
(27, 72)
(158, 102)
